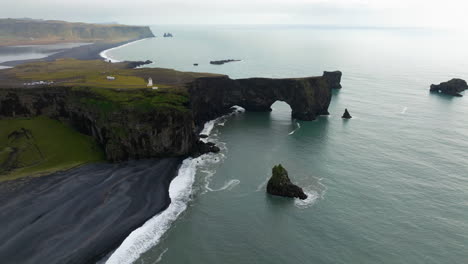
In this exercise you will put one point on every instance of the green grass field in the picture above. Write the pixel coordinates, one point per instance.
(41, 146)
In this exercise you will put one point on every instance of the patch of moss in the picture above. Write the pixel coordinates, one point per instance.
(38, 146)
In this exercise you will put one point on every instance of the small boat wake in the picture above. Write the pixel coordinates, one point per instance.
(404, 110)
(229, 185)
(298, 126)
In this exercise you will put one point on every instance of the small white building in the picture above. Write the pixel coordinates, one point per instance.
(150, 82)
(110, 78)
(155, 88)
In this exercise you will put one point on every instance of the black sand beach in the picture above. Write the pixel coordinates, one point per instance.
(82, 214)
(86, 52)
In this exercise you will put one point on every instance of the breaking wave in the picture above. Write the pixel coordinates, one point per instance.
(180, 191)
(104, 55)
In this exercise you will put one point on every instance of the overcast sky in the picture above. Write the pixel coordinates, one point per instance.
(393, 13)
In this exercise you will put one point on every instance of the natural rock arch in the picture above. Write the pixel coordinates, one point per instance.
(307, 97)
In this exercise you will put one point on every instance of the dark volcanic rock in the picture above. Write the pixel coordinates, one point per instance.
(203, 136)
(205, 147)
(126, 133)
(453, 87)
(280, 184)
(346, 114)
(134, 64)
(221, 62)
(333, 78)
(212, 97)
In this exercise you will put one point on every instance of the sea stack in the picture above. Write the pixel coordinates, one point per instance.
(280, 184)
(346, 114)
(452, 87)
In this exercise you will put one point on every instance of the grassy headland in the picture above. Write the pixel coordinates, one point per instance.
(40, 145)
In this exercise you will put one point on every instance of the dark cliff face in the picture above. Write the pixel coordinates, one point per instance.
(308, 97)
(135, 130)
(124, 133)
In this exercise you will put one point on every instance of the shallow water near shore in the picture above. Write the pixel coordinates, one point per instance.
(29, 52)
(388, 186)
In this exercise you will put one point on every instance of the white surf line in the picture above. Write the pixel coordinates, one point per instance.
(180, 192)
(404, 110)
(103, 54)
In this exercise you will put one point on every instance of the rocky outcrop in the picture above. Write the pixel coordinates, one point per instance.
(333, 78)
(308, 97)
(134, 64)
(124, 132)
(453, 87)
(221, 62)
(280, 184)
(137, 130)
(346, 114)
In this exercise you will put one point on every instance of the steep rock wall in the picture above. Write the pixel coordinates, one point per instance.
(308, 97)
(124, 132)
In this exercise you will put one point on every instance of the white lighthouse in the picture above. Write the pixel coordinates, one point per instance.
(150, 82)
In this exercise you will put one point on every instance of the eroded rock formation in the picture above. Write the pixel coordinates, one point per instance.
(127, 131)
(333, 78)
(453, 87)
(346, 114)
(308, 97)
(280, 184)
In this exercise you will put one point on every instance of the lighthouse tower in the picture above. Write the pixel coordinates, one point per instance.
(150, 82)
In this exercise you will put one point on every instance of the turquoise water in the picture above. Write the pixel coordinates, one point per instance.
(388, 186)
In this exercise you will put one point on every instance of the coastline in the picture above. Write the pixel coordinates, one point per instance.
(103, 54)
(86, 52)
(180, 190)
(83, 213)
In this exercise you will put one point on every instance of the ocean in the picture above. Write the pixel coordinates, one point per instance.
(388, 186)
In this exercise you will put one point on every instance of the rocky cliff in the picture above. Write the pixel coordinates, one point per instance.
(125, 130)
(308, 97)
(143, 123)
(28, 31)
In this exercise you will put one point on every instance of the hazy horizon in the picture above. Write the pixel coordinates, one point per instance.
(350, 13)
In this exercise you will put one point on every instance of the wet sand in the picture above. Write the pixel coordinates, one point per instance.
(80, 215)
(86, 52)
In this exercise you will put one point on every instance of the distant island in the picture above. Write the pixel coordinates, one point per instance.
(168, 35)
(35, 32)
(221, 62)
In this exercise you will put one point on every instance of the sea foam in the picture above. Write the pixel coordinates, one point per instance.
(104, 55)
(180, 191)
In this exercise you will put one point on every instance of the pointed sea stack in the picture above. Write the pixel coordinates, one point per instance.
(346, 114)
(280, 184)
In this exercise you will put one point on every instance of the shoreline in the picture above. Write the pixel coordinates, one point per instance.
(86, 52)
(104, 52)
(180, 190)
(84, 213)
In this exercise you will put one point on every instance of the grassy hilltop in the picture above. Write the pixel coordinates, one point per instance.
(28, 32)
(38, 145)
(41, 145)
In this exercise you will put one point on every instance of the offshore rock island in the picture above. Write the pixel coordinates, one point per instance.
(105, 111)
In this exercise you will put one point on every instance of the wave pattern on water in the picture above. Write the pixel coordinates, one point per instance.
(180, 191)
